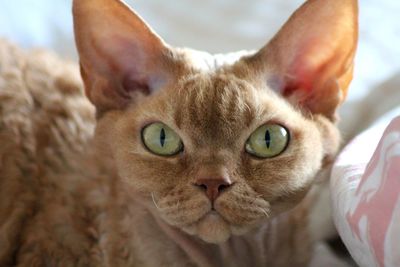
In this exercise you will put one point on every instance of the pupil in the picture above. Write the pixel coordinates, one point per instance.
(162, 137)
(267, 139)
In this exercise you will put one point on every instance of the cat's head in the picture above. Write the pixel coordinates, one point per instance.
(220, 145)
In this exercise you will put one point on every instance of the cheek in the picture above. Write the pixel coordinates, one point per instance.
(149, 174)
(143, 171)
(286, 176)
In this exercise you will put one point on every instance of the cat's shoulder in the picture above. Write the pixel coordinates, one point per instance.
(43, 107)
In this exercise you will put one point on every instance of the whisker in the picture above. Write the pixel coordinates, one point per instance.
(265, 212)
(154, 201)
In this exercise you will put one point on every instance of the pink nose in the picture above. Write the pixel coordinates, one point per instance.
(213, 186)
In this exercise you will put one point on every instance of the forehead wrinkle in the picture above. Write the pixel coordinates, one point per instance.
(215, 107)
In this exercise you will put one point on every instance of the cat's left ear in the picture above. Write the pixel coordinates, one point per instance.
(120, 55)
(310, 60)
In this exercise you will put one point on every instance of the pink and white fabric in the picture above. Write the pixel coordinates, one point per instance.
(365, 186)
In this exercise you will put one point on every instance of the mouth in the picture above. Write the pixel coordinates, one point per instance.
(212, 228)
(214, 221)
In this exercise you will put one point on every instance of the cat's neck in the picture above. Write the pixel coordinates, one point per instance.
(194, 248)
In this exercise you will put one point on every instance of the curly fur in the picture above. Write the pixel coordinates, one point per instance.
(63, 205)
(44, 119)
(78, 188)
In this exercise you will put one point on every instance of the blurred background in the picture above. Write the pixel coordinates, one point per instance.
(214, 25)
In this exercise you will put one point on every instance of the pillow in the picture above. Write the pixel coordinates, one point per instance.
(365, 186)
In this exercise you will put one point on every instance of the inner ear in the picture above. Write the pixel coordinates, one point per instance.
(120, 55)
(310, 60)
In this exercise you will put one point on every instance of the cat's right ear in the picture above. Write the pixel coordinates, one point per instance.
(120, 56)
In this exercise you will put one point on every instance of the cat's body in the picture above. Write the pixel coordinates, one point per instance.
(69, 197)
(60, 207)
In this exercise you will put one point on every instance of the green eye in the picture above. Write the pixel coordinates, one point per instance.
(161, 140)
(268, 141)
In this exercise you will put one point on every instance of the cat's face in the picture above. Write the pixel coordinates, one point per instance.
(215, 150)
(214, 116)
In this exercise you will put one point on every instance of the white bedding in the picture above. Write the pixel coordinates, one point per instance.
(365, 187)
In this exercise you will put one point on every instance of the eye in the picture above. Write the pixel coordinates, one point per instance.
(161, 140)
(267, 141)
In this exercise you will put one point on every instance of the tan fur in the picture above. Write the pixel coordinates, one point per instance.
(61, 212)
(44, 120)
(69, 197)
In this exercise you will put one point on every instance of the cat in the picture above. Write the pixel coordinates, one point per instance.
(180, 158)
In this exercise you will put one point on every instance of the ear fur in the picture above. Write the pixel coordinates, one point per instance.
(310, 60)
(120, 55)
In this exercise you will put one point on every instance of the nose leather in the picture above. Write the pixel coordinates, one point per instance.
(213, 186)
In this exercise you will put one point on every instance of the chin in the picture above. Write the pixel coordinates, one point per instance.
(213, 228)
